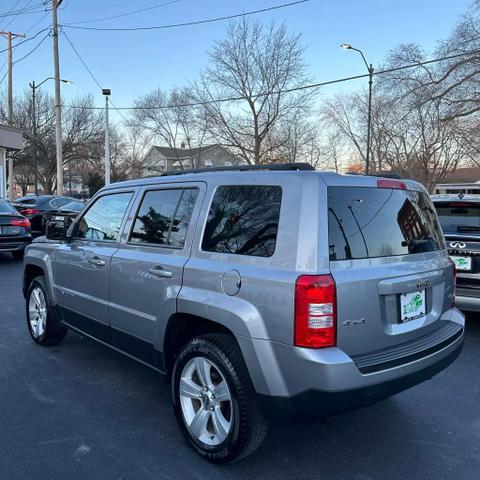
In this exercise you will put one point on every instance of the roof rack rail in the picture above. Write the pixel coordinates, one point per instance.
(243, 168)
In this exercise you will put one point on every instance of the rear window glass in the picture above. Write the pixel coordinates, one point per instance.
(243, 220)
(380, 222)
(5, 207)
(459, 217)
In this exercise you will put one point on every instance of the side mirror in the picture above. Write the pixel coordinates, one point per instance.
(57, 227)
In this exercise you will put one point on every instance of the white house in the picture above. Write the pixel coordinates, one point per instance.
(160, 159)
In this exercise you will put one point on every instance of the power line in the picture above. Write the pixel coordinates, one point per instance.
(33, 49)
(91, 74)
(293, 89)
(23, 11)
(37, 22)
(82, 60)
(123, 14)
(26, 55)
(27, 40)
(186, 24)
(19, 13)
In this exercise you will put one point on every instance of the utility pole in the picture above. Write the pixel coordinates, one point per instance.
(9, 36)
(58, 100)
(107, 92)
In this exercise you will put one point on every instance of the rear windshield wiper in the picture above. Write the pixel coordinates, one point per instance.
(468, 228)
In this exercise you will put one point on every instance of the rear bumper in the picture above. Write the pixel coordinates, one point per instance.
(467, 303)
(325, 381)
(14, 244)
(317, 404)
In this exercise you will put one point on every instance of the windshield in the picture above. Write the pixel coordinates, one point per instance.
(380, 222)
(6, 208)
(458, 217)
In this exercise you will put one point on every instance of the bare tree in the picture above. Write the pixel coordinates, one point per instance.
(82, 132)
(170, 119)
(259, 67)
(410, 134)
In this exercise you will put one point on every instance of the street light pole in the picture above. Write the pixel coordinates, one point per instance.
(34, 122)
(371, 70)
(369, 121)
(34, 87)
(107, 92)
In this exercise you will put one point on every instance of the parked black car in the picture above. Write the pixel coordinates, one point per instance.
(459, 216)
(14, 230)
(34, 208)
(70, 209)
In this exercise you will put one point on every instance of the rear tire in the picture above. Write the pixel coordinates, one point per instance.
(43, 321)
(223, 421)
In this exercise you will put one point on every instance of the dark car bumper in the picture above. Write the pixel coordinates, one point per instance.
(14, 244)
(314, 404)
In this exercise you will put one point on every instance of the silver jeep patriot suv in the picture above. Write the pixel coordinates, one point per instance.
(272, 291)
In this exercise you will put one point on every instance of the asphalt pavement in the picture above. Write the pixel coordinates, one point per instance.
(82, 411)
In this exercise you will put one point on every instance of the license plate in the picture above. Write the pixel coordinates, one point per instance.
(462, 263)
(412, 305)
(7, 230)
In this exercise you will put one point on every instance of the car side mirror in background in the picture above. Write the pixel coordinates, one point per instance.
(57, 227)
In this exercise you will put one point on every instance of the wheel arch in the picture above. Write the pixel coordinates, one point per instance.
(35, 267)
(181, 328)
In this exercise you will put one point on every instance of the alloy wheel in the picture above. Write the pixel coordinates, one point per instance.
(206, 401)
(37, 312)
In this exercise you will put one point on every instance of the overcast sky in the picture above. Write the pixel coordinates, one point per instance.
(134, 63)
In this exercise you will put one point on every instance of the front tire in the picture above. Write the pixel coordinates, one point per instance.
(214, 400)
(42, 319)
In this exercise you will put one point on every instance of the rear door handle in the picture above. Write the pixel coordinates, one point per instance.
(97, 262)
(160, 272)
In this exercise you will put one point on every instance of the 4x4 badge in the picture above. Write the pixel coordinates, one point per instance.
(423, 283)
(458, 244)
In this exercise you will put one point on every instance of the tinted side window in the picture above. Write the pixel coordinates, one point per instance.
(243, 220)
(164, 216)
(104, 218)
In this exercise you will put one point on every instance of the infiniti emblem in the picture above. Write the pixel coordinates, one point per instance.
(458, 244)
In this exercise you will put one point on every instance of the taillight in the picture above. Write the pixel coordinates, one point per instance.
(315, 311)
(395, 184)
(29, 211)
(20, 222)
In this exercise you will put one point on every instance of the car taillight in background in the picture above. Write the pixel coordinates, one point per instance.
(29, 211)
(315, 311)
(20, 222)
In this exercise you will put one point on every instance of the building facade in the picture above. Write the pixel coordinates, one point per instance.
(161, 159)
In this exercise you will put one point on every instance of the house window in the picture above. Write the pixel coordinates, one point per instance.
(208, 163)
(228, 163)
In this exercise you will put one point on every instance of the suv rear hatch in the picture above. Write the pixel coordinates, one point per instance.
(393, 277)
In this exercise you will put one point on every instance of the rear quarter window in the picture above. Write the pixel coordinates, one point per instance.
(243, 220)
